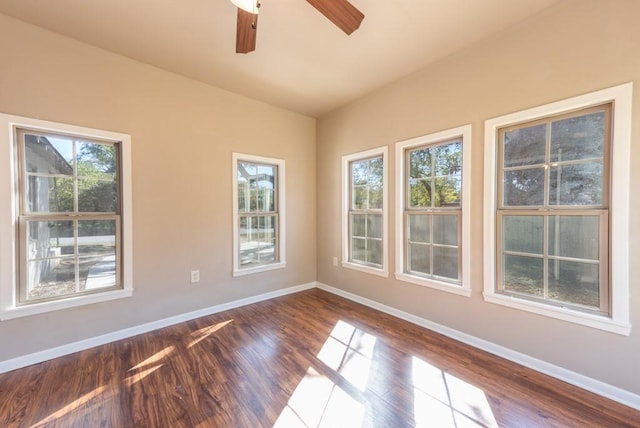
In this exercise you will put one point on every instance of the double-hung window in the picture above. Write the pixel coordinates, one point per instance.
(258, 213)
(432, 210)
(364, 207)
(554, 210)
(71, 217)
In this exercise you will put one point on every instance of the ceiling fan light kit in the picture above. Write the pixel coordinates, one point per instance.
(342, 13)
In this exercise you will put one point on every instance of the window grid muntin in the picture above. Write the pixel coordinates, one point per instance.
(431, 245)
(547, 210)
(25, 216)
(248, 214)
(431, 211)
(433, 177)
(606, 108)
(366, 211)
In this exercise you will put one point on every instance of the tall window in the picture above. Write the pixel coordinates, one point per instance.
(70, 196)
(432, 220)
(559, 220)
(258, 213)
(553, 209)
(364, 222)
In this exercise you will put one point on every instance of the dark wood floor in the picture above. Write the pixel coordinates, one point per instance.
(305, 360)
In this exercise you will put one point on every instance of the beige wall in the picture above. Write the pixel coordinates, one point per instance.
(577, 47)
(183, 134)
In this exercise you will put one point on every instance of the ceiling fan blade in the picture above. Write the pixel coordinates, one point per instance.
(340, 12)
(246, 29)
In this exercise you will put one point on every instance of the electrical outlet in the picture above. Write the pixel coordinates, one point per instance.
(195, 276)
(335, 261)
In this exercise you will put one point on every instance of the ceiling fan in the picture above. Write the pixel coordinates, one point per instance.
(342, 13)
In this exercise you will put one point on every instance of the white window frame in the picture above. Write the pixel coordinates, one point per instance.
(463, 132)
(281, 227)
(346, 203)
(619, 319)
(9, 217)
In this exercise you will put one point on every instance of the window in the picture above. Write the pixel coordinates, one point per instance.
(70, 227)
(364, 223)
(559, 177)
(432, 217)
(258, 214)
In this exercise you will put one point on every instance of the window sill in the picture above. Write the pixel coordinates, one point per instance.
(590, 320)
(367, 269)
(258, 269)
(437, 285)
(72, 302)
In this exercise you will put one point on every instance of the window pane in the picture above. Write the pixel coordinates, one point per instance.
(49, 194)
(376, 168)
(358, 224)
(447, 192)
(524, 187)
(525, 146)
(358, 249)
(243, 196)
(420, 164)
(445, 230)
(523, 275)
(577, 237)
(47, 239)
(374, 226)
(448, 158)
(50, 156)
(375, 197)
(420, 193)
(50, 278)
(419, 228)
(96, 158)
(445, 262)
(97, 195)
(359, 172)
(270, 229)
(419, 258)
(523, 234)
(256, 187)
(374, 251)
(577, 138)
(267, 247)
(97, 248)
(574, 282)
(360, 198)
(579, 184)
(248, 241)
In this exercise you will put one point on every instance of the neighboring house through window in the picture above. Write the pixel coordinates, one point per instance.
(364, 222)
(559, 186)
(258, 214)
(70, 224)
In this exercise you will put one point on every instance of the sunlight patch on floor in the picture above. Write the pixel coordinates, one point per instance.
(445, 400)
(100, 393)
(154, 358)
(201, 334)
(318, 402)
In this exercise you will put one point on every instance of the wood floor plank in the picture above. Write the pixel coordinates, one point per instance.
(310, 359)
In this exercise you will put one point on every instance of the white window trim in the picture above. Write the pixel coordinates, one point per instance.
(346, 203)
(619, 321)
(464, 289)
(281, 263)
(8, 217)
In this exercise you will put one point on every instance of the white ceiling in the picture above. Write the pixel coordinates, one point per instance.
(302, 61)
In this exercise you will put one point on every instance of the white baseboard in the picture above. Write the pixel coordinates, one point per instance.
(597, 387)
(614, 393)
(38, 357)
